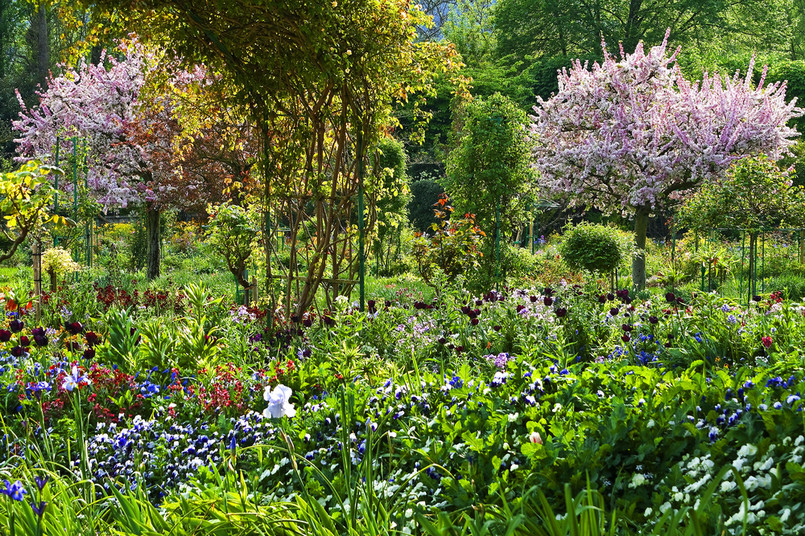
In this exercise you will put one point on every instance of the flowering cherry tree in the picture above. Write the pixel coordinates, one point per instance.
(627, 135)
(139, 150)
(98, 103)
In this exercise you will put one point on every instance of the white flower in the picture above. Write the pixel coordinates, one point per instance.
(535, 438)
(279, 404)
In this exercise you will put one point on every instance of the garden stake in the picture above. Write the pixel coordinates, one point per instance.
(361, 231)
(763, 266)
(56, 191)
(75, 184)
(497, 245)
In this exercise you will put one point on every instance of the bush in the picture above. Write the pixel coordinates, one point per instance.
(595, 248)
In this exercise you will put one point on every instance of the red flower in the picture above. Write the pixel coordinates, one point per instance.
(766, 342)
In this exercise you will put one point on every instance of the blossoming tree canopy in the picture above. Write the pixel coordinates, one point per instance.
(626, 135)
(138, 138)
(95, 102)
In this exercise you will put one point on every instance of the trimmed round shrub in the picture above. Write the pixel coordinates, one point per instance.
(591, 247)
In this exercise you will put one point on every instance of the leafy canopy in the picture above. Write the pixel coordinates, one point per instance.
(755, 195)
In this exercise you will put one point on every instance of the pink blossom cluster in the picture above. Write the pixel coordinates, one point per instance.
(95, 103)
(629, 133)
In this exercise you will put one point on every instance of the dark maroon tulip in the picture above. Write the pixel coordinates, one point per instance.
(74, 328)
(92, 338)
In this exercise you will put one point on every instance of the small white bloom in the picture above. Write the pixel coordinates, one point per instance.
(279, 404)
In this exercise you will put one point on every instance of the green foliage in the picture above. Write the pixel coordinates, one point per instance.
(390, 195)
(122, 344)
(755, 195)
(25, 196)
(592, 247)
(490, 169)
(231, 231)
(469, 27)
(424, 196)
(452, 248)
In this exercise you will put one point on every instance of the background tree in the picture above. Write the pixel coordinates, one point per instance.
(541, 28)
(628, 134)
(232, 231)
(754, 196)
(25, 198)
(319, 80)
(137, 152)
(390, 194)
(489, 172)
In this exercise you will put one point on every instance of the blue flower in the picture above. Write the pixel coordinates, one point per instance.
(39, 510)
(15, 490)
(41, 482)
(75, 379)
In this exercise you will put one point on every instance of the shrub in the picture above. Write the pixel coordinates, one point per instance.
(595, 248)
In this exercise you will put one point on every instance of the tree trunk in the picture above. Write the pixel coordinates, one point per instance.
(752, 265)
(152, 231)
(639, 262)
(4, 33)
(42, 45)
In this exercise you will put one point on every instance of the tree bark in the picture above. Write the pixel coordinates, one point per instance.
(639, 262)
(42, 45)
(152, 232)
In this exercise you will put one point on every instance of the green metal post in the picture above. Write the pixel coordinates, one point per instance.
(56, 191)
(497, 244)
(75, 178)
(361, 230)
(763, 266)
(673, 256)
(75, 186)
(88, 229)
(743, 251)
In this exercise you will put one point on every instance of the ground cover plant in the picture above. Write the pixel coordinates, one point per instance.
(423, 417)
